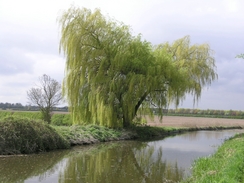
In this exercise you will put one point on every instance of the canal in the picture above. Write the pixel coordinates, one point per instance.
(162, 160)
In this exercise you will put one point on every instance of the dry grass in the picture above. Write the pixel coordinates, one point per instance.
(179, 121)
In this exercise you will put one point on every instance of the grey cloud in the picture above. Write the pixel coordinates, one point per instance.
(13, 62)
(20, 83)
(15, 45)
(234, 84)
(33, 38)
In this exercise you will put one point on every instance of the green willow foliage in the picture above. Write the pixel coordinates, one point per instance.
(110, 75)
(240, 56)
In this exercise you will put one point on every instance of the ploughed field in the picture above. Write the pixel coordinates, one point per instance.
(180, 121)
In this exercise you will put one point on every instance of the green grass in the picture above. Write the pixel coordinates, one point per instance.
(225, 166)
(58, 119)
(22, 114)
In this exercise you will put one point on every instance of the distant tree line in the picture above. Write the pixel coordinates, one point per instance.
(11, 106)
(20, 107)
(199, 112)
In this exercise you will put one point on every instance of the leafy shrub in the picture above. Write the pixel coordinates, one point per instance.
(61, 120)
(57, 119)
(25, 135)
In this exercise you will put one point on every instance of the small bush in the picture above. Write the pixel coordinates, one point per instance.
(57, 119)
(24, 135)
(61, 120)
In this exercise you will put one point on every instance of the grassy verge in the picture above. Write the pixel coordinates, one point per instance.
(226, 165)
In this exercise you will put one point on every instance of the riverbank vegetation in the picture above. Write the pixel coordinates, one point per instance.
(24, 136)
(19, 135)
(226, 165)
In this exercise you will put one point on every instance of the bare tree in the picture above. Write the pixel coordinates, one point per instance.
(47, 95)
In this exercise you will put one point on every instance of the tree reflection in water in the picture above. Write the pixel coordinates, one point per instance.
(121, 162)
(19, 168)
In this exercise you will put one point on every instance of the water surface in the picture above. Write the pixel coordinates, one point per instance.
(152, 161)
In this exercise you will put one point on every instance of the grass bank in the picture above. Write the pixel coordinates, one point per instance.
(89, 134)
(81, 135)
(226, 165)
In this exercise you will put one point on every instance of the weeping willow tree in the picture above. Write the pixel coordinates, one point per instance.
(110, 74)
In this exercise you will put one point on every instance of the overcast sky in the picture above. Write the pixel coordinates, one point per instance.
(29, 40)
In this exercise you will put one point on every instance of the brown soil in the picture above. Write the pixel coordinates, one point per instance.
(180, 121)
